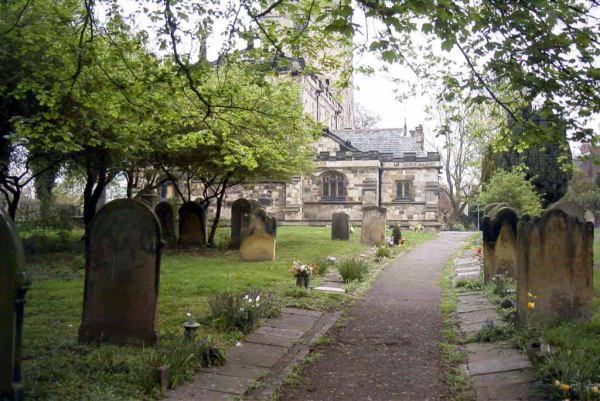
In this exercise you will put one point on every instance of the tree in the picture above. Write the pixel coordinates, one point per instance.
(513, 188)
(363, 118)
(461, 136)
(547, 165)
(583, 192)
(514, 54)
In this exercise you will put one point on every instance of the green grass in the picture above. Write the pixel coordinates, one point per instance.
(56, 367)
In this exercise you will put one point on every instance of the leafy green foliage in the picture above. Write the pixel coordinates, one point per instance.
(512, 187)
(383, 252)
(583, 192)
(320, 264)
(233, 310)
(352, 269)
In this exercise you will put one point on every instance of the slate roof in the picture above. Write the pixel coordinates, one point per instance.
(386, 140)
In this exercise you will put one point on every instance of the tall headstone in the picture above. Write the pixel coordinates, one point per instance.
(340, 226)
(122, 275)
(241, 209)
(166, 217)
(259, 244)
(192, 225)
(13, 287)
(373, 225)
(500, 244)
(555, 267)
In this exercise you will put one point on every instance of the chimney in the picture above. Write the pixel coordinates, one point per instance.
(419, 136)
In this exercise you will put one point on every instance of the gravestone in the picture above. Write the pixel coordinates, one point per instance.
(373, 226)
(122, 275)
(555, 267)
(192, 225)
(150, 198)
(488, 208)
(500, 244)
(589, 217)
(340, 226)
(240, 212)
(259, 244)
(164, 212)
(13, 287)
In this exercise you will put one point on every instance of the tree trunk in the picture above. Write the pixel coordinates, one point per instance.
(216, 220)
(94, 187)
(44, 183)
(13, 204)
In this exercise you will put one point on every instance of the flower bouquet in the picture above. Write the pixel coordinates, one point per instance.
(302, 273)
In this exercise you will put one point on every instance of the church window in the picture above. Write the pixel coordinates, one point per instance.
(404, 190)
(333, 186)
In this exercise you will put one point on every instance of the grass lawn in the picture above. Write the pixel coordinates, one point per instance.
(56, 367)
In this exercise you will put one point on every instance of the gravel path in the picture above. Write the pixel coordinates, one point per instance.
(388, 348)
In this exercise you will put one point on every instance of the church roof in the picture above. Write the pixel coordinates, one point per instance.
(383, 140)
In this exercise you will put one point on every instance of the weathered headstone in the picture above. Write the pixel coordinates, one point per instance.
(13, 287)
(192, 225)
(240, 212)
(373, 225)
(555, 267)
(589, 216)
(570, 208)
(166, 217)
(122, 275)
(259, 244)
(488, 208)
(340, 226)
(500, 244)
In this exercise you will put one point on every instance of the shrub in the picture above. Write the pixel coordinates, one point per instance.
(383, 252)
(234, 310)
(512, 187)
(396, 234)
(352, 269)
(183, 358)
(320, 265)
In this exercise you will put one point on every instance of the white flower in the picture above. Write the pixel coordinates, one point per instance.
(246, 296)
(257, 304)
(257, 298)
(242, 309)
(188, 314)
(238, 344)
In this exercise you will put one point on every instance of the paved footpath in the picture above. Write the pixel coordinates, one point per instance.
(388, 351)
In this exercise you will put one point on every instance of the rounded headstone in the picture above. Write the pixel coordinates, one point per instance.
(166, 216)
(122, 275)
(570, 208)
(192, 225)
(340, 226)
(240, 210)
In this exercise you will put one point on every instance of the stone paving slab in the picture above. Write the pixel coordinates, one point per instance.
(238, 370)
(328, 288)
(266, 339)
(255, 354)
(302, 312)
(294, 322)
(276, 331)
(332, 284)
(498, 371)
(193, 393)
(224, 384)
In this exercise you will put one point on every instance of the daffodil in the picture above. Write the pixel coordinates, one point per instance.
(530, 305)
(564, 387)
(595, 390)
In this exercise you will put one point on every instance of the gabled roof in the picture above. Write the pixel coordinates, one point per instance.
(383, 140)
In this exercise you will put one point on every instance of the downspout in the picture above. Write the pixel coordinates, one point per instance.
(379, 184)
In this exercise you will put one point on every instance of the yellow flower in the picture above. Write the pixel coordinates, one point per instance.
(564, 387)
(530, 305)
(595, 389)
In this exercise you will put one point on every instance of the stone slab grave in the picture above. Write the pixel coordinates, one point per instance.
(498, 371)
(340, 226)
(13, 286)
(259, 244)
(373, 226)
(241, 209)
(166, 217)
(261, 354)
(192, 225)
(499, 229)
(555, 261)
(122, 275)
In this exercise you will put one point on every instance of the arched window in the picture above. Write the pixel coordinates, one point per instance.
(333, 186)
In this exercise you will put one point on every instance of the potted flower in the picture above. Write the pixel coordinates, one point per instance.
(302, 273)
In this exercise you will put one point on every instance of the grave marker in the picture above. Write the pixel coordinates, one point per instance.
(500, 244)
(192, 225)
(373, 225)
(240, 212)
(166, 217)
(259, 244)
(555, 267)
(13, 287)
(122, 275)
(340, 226)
